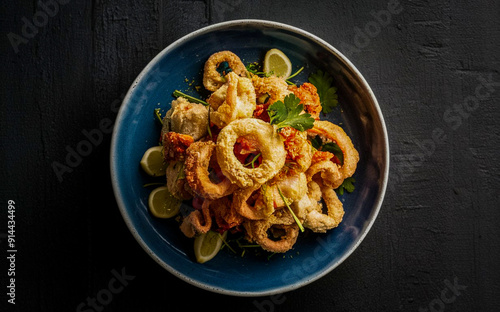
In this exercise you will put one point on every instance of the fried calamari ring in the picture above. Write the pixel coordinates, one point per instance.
(239, 101)
(329, 172)
(260, 209)
(269, 143)
(198, 157)
(320, 222)
(212, 79)
(281, 225)
(197, 222)
(336, 134)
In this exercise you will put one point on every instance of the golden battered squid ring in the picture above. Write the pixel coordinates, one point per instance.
(269, 143)
(338, 135)
(212, 80)
(257, 231)
(197, 161)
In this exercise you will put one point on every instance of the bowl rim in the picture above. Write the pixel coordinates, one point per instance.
(210, 28)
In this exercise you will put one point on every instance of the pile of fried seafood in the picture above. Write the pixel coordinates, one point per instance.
(242, 173)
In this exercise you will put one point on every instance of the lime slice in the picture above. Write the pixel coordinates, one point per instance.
(162, 204)
(207, 245)
(278, 63)
(153, 163)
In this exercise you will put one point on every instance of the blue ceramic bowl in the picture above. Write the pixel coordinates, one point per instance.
(181, 64)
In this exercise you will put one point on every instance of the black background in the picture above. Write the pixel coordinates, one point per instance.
(427, 66)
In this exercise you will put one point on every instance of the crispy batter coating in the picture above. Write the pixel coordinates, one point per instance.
(188, 118)
(293, 187)
(281, 225)
(260, 206)
(270, 145)
(320, 222)
(198, 156)
(255, 171)
(239, 101)
(336, 134)
(197, 222)
(329, 172)
(212, 79)
(276, 88)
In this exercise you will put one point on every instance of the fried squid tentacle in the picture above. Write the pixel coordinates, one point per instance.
(197, 222)
(238, 101)
(336, 134)
(197, 162)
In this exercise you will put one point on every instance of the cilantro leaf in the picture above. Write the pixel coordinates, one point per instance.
(347, 185)
(331, 147)
(316, 142)
(326, 91)
(335, 150)
(287, 113)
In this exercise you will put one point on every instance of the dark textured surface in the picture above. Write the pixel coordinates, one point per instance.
(427, 66)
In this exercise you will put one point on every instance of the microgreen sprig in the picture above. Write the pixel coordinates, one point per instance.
(192, 99)
(291, 211)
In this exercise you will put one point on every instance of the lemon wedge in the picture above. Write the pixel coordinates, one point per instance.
(278, 63)
(162, 204)
(207, 245)
(152, 162)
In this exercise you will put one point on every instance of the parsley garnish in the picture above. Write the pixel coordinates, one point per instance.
(288, 114)
(346, 185)
(327, 92)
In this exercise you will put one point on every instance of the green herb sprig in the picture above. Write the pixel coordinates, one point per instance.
(191, 99)
(301, 227)
(347, 185)
(326, 91)
(287, 113)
